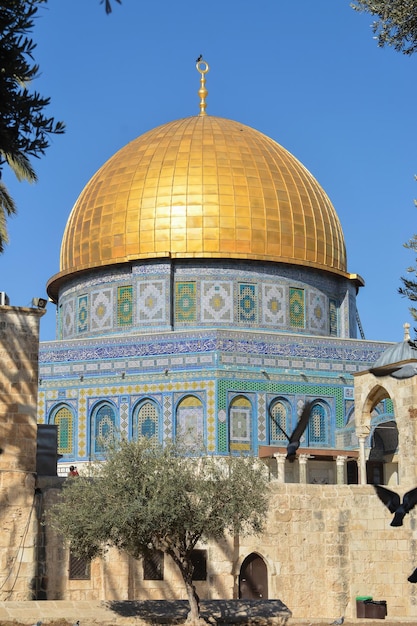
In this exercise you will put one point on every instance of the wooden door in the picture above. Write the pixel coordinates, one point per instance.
(253, 579)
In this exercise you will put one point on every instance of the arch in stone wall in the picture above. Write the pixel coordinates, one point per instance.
(369, 390)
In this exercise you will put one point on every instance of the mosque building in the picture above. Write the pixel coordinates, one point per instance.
(203, 289)
(203, 294)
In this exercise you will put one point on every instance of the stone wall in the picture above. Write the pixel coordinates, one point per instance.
(19, 343)
(323, 545)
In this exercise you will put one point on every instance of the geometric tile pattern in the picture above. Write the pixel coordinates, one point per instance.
(124, 417)
(317, 317)
(261, 418)
(273, 304)
(102, 309)
(151, 301)
(297, 318)
(125, 305)
(68, 318)
(167, 417)
(82, 314)
(211, 419)
(333, 317)
(185, 302)
(216, 301)
(247, 305)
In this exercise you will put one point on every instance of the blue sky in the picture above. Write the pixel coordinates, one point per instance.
(308, 74)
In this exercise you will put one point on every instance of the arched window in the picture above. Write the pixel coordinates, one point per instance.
(279, 417)
(317, 431)
(190, 421)
(64, 419)
(103, 427)
(146, 422)
(240, 424)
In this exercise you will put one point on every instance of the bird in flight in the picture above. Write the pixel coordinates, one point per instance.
(295, 437)
(393, 502)
(413, 577)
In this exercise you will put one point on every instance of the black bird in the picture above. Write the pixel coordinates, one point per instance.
(295, 437)
(393, 503)
(413, 577)
(200, 58)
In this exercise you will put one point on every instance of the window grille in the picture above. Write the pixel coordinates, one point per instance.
(79, 567)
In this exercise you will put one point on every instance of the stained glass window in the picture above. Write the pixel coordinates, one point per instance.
(317, 425)
(64, 420)
(279, 413)
(104, 426)
(145, 422)
(240, 424)
(190, 421)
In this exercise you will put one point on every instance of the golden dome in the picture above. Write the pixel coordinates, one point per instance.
(202, 187)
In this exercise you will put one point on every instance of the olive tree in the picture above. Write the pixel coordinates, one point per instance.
(395, 24)
(146, 497)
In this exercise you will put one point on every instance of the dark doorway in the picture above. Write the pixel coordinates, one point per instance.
(253, 579)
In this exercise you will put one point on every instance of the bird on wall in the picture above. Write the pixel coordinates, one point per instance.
(295, 437)
(393, 502)
(338, 622)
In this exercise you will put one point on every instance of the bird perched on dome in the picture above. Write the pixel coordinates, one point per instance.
(393, 502)
(295, 438)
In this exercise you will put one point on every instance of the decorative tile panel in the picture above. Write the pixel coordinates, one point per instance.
(68, 318)
(333, 318)
(247, 303)
(125, 305)
(102, 309)
(216, 301)
(185, 302)
(297, 308)
(151, 301)
(273, 305)
(317, 311)
(82, 314)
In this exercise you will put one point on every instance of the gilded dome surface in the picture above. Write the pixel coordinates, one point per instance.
(202, 187)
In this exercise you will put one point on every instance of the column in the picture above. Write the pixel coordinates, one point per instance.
(280, 457)
(302, 464)
(362, 460)
(340, 470)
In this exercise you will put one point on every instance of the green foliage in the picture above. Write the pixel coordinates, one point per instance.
(396, 23)
(145, 497)
(24, 128)
(409, 288)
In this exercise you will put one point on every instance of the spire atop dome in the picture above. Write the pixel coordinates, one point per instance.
(202, 67)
